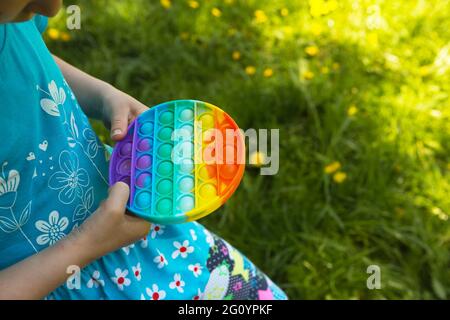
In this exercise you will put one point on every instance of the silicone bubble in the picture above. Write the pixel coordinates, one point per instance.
(186, 184)
(144, 180)
(186, 115)
(143, 162)
(175, 165)
(186, 203)
(186, 165)
(126, 149)
(165, 168)
(143, 199)
(164, 186)
(144, 145)
(147, 128)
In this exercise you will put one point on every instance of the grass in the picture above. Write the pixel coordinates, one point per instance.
(363, 83)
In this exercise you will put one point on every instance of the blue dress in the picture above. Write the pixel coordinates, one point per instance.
(54, 173)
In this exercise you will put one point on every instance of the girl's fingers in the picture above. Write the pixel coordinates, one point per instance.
(118, 197)
(119, 123)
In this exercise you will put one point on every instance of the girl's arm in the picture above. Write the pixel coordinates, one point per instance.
(108, 229)
(101, 100)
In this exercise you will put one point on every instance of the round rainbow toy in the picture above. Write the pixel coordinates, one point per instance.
(179, 161)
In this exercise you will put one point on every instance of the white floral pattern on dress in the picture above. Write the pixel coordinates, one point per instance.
(71, 180)
(127, 249)
(161, 260)
(57, 98)
(157, 229)
(95, 281)
(121, 279)
(196, 269)
(177, 283)
(137, 271)
(53, 230)
(154, 293)
(182, 249)
(8, 189)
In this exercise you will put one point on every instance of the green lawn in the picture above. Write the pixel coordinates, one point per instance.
(363, 83)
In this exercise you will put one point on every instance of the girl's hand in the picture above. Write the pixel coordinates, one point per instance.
(119, 110)
(109, 227)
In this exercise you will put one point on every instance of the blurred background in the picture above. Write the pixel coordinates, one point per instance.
(360, 92)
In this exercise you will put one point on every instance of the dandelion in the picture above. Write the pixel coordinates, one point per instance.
(339, 177)
(166, 3)
(53, 33)
(352, 110)
(257, 159)
(268, 72)
(316, 28)
(260, 16)
(216, 12)
(65, 36)
(250, 70)
(284, 12)
(194, 4)
(308, 75)
(325, 70)
(312, 51)
(236, 55)
(332, 167)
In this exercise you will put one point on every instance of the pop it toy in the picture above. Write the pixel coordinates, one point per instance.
(180, 161)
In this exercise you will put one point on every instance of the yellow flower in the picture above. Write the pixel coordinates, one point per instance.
(325, 70)
(166, 3)
(268, 72)
(316, 28)
(65, 36)
(372, 39)
(236, 55)
(260, 16)
(216, 12)
(352, 110)
(339, 177)
(312, 51)
(332, 167)
(53, 33)
(424, 70)
(194, 4)
(308, 75)
(321, 7)
(257, 159)
(336, 66)
(284, 12)
(250, 70)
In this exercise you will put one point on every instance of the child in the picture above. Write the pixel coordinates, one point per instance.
(56, 211)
